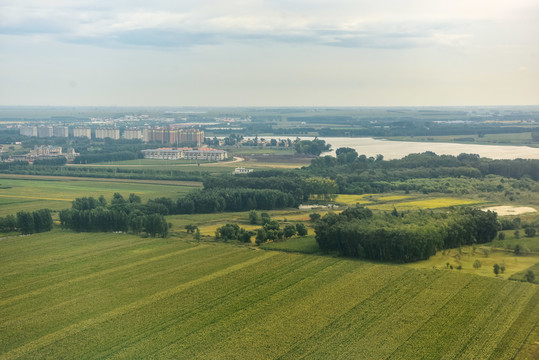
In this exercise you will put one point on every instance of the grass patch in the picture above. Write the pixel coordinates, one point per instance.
(305, 245)
(427, 204)
(467, 256)
(521, 275)
(353, 199)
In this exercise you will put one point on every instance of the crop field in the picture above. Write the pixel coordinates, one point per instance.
(304, 244)
(388, 202)
(29, 195)
(467, 256)
(208, 223)
(353, 199)
(426, 204)
(532, 243)
(521, 276)
(114, 296)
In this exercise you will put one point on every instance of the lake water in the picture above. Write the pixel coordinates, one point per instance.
(399, 149)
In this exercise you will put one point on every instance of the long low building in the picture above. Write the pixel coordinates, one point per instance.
(185, 153)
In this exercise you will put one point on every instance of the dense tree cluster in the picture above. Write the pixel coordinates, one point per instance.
(34, 222)
(406, 237)
(355, 173)
(8, 223)
(100, 157)
(57, 161)
(235, 199)
(233, 232)
(300, 187)
(311, 147)
(93, 215)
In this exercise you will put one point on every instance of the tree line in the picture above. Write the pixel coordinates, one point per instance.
(88, 214)
(27, 222)
(355, 173)
(300, 187)
(402, 237)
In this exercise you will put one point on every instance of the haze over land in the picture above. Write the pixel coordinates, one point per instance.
(262, 53)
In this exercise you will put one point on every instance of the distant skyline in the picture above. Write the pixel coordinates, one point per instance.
(269, 53)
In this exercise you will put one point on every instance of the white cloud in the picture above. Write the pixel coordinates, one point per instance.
(337, 23)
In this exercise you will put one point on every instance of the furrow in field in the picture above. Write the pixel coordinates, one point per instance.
(352, 337)
(442, 335)
(222, 300)
(266, 302)
(18, 298)
(483, 344)
(255, 304)
(516, 336)
(93, 297)
(34, 269)
(122, 310)
(293, 315)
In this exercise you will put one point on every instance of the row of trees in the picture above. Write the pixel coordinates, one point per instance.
(94, 215)
(27, 222)
(400, 237)
(104, 157)
(236, 199)
(300, 187)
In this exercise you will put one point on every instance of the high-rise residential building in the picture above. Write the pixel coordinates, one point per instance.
(132, 133)
(44, 131)
(60, 131)
(173, 136)
(28, 130)
(112, 133)
(81, 131)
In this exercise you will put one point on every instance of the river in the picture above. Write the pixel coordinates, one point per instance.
(398, 149)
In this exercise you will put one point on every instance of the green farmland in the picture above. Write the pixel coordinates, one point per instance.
(57, 193)
(67, 295)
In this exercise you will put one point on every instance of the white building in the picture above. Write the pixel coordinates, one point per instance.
(185, 153)
(241, 170)
(44, 131)
(82, 132)
(163, 154)
(60, 131)
(205, 154)
(28, 130)
(102, 133)
(132, 134)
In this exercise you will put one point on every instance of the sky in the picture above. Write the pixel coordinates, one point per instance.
(269, 53)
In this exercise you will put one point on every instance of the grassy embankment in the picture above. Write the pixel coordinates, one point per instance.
(67, 295)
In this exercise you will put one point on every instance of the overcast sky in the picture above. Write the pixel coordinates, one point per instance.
(269, 53)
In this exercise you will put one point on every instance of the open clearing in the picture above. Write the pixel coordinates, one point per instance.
(511, 210)
(388, 202)
(67, 295)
